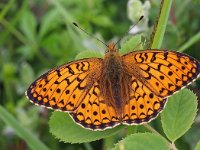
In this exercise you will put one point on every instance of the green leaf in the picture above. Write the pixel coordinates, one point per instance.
(68, 17)
(32, 141)
(198, 146)
(142, 141)
(49, 21)
(66, 130)
(131, 44)
(52, 44)
(88, 54)
(28, 25)
(26, 51)
(179, 114)
(103, 21)
(26, 73)
(8, 70)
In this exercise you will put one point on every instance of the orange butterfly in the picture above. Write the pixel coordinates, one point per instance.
(130, 89)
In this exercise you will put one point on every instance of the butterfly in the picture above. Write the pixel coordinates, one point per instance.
(130, 89)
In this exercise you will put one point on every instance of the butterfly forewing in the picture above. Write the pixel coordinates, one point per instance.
(65, 87)
(162, 72)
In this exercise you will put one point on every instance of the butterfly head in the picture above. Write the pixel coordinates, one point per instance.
(111, 48)
(111, 52)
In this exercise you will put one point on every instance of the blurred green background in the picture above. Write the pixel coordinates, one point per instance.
(38, 35)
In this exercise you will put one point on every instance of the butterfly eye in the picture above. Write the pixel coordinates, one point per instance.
(106, 51)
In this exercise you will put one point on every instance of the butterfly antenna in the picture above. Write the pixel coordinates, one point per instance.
(76, 25)
(129, 30)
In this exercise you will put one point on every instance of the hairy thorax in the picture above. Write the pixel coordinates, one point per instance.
(114, 82)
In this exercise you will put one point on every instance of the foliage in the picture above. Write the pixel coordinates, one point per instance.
(133, 141)
(39, 35)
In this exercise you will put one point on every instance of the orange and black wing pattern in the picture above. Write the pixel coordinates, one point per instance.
(65, 87)
(143, 105)
(163, 72)
(94, 113)
(155, 75)
(75, 88)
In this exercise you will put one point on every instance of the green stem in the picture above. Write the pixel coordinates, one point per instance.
(193, 40)
(32, 141)
(15, 18)
(160, 27)
(6, 9)
(15, 32)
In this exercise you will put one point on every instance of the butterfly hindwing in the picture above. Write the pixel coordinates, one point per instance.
(94, 113)
(143, 105)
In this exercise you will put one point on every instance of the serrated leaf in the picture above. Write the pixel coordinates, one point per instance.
(131, 44)
(66, 130)
(179, 114)
(142, 141)
(88, 54)
(198, 146)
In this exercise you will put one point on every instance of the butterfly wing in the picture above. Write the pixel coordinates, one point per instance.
(143, 105)
(94, 113)
(64, 88)
(163, 72)
(155, 75)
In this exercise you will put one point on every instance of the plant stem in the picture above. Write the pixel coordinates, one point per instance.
(6, 9)
(193, 40)
(32, 141)
(15, 32)
(160, 27)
